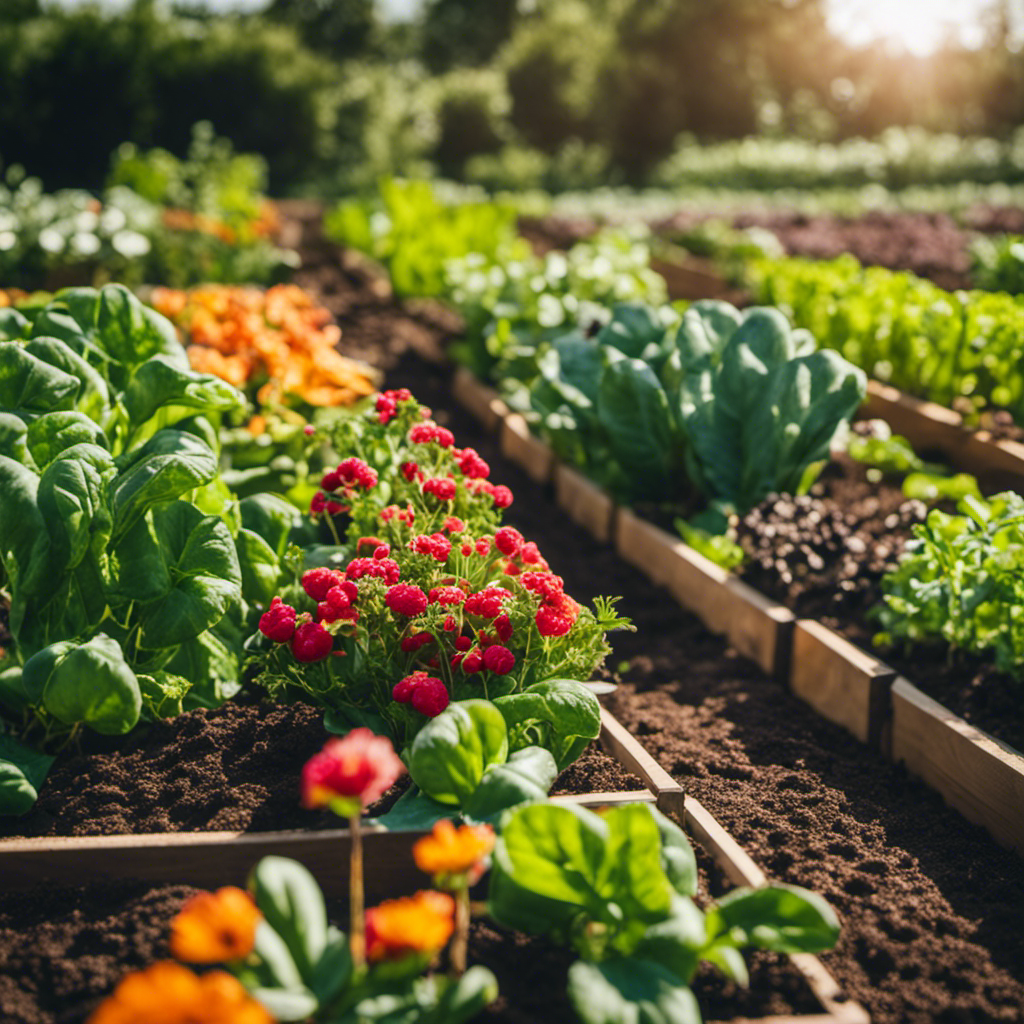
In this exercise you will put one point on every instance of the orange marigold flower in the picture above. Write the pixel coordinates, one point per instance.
(215, 926)
(420, 924)
(167, 993)
(454, 851)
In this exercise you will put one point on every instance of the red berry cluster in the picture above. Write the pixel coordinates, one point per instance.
(427, 431)
(387, 404)
(558, 612)
(350, 475)
(427, 694)
(437, 545)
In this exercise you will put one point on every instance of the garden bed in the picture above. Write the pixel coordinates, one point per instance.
(921, 915)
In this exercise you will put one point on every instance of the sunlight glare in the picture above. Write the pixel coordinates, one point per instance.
(918, 26)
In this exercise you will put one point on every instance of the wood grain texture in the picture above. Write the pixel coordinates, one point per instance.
(840, 681)
(695, 582)
(531, 454)
(629, 752)
(585, 503)
(759, 628)
(975, 773)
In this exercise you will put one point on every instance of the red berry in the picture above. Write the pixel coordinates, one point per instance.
(508, 540)
(472, 662)
(311, 642)
(406, 599)
(430, 697)
(317, 582)
(277, 623)
(499, 660)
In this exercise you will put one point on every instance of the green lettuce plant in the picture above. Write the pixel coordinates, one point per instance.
(618, 888)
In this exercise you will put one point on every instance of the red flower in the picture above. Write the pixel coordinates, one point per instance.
(503, 627)
(277, 623)
(357, 473)
(557, 616)
(331, 481)
(487, 603)
(318, 504)
(413, 643)
(472, 465)
(501, 496)
(499, 660)
(453, 524)
(382, 552)
(472, 662)
(311, 642)
(430, 697)
(447, 595)
(350, 773)
(483, 546)
(463, 643)
(410, 470)
(406, 599)
(443, 488)
(386, 569)
(317, 582)
(530, 554)
(508, 540)
(424, 433)
(437, 545)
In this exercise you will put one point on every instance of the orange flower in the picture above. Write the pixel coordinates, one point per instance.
(454, 851)
(419, 924)
(215, 926)
(167, 993)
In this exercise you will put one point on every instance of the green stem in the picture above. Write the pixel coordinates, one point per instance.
(460, 942)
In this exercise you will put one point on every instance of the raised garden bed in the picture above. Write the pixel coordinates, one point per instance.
(973, 771)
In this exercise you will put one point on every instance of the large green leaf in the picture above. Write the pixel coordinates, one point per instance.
(53, 433)
(628, 990)
(131, 332)
(171, 463)
(14, 440)
(633, 327)
(24, 541)
(527, 775)
(561, 715)
(211, 666)
(22, 773)
(451, 752)
(182, 568)
(782, 918)
(260, 566)
(88, 683)
(93, 397)
(29, 384)
(161, 381)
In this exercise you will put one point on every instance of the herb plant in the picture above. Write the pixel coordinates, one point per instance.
(618, 888)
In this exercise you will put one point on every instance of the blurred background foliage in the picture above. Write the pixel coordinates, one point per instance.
(552, 94)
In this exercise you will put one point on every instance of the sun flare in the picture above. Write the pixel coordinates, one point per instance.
(918, 26)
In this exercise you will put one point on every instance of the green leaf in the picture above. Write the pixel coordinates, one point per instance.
(22, 774)
(51, 435)
(131, 332)
(162, 381)
(677, 856)
(14, 440)
(293, 905)
(182, 566)
(413, 811)
(260, 567)
(527, 775)
(171, 463)
(163, 694)
(276, 959)
(334, 968)
(212, 667)
(24, 541)
(93, 395)
(448, 758)
(632, 328)
(287, 1004)
(29, 384)
(272, 518)
(628, 990)
(88, 683)
(562, 715)
(782, 918)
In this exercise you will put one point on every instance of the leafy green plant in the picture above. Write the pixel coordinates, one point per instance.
(997, 263)
(119, 548)
(409, 229)
(954, 348)
(618, 888)
(958, 583)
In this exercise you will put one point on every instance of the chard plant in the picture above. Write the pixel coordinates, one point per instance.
(125, 562)
(434, 625)
(618, 887)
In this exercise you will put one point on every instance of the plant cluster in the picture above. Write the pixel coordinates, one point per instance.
(436, 625)
(959, 349)
(126, 565)
(738, 403)
(415, 233)
(997, 263)
(958, 583)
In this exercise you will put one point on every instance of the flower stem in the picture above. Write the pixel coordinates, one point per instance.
(460, 942)
(357, 917)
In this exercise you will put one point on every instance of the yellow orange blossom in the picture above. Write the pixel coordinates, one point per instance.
(11, 296)
(281, 337)
(414, 924)
(453, 851)
(185, 220)
(167, 993)
(213, 927)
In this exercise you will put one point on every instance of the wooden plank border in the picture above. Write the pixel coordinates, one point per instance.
(975, 773)
(585, 503)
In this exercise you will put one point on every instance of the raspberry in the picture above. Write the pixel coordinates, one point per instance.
(508, 540)
(318, 504)
(450, 625)
(443, 488)
(311, 642)
(338, 598)
(447, 595)
(357, 473)
(503, 627)
(317, 582)
(463, 643)
(413, 643)
(277, 623)
(349, 588)
(382, 552)
(453, 524)
(553, 621)
(430, 697)
(501, 496)
(331, 481)
(402, 691)
(547, 584)
(530, 553)
(487, 603)
(472, 465)
(473, 662)
(499, 660)
(410, 470)
(406, 599)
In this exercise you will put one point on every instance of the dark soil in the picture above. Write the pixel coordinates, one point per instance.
(233, 769)
(824, 556)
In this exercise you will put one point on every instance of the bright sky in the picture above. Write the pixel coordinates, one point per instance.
(919, 26)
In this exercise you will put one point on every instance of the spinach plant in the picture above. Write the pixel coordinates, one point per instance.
(618, 888)
(117, 547)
